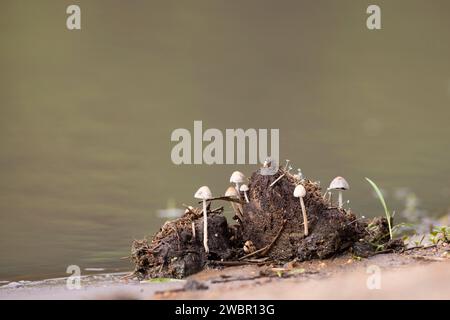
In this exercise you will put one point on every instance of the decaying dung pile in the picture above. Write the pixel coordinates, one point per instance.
(331, 229)
(177, 249)
(271, 222)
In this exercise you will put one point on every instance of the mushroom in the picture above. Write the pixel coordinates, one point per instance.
(232, 193)
(287, 164)
(339, 183)
(237, 178)
(269, 167)
(267, 163)
(244, 188)
(249, 247)
(204, 193)
(299, 174)
(300, 192)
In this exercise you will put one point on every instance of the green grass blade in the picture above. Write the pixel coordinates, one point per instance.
(380, 196)
(161, 280)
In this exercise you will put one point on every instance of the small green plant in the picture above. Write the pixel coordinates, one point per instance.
(356, 258)
(419, 243)
(386, 211)
(161, 280)
(441, 233)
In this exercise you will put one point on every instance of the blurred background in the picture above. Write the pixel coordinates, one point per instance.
(86, 116)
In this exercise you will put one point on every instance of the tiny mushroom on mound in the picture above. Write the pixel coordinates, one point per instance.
(340, 184)
(299, 174)
(204, 193)
(249, 247)
(244, 188)
(300, 192)
(267, 163)
(232, 193)
(237, 178)
(269, 167)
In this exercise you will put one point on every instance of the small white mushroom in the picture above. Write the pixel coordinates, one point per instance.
(340, 184)
(249, 247)
(237, 178)
(299, 174)
(267, 163)
(269, 167)
(300, 192)
(232, 193)
(204, 193)
(244, 188)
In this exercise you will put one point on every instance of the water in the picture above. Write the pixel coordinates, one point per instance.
(86, 116)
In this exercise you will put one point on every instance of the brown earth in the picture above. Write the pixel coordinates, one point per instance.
(413, 274)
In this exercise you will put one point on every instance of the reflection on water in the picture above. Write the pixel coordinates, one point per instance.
(86, 116)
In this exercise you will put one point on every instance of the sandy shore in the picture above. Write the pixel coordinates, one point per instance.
(415, 274)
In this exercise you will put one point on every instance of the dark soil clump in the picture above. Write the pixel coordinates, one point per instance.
(175, 253)
(331, 230)
(271, 221)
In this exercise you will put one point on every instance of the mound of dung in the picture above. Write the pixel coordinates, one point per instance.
(271, 209)
(272, 220)
(174, 252)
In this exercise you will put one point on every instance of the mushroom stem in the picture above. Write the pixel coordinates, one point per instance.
(340, 199)
(246, 197)
(193, 230)
(237, 189)
(205, 227)
(305, 217)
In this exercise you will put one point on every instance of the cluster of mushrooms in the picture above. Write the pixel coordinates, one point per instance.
(240, 187)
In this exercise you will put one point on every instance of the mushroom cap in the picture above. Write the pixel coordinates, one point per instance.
(231, 192)
(237, 177)
(299, 191)
(203, 193)
(243, 188)
(339, 183)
